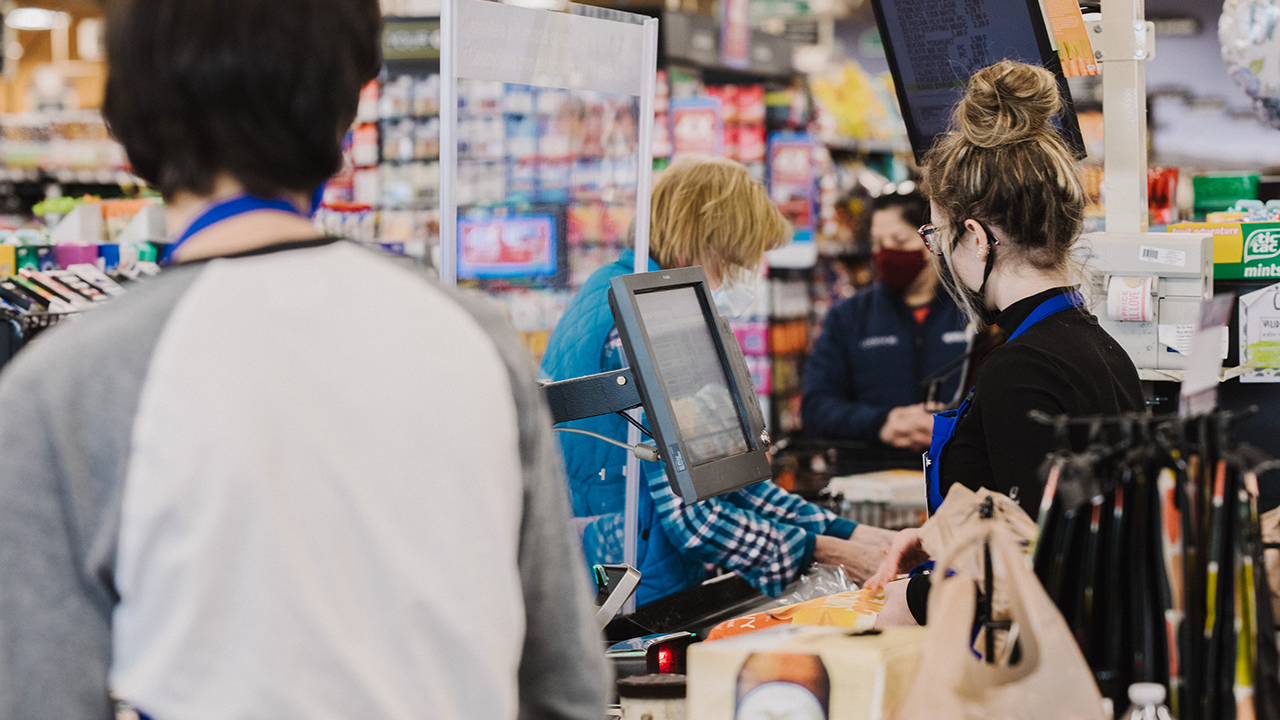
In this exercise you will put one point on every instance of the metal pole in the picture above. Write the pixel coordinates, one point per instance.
(448, 142)
(644, 188)
(644, 153)
(1124, 111)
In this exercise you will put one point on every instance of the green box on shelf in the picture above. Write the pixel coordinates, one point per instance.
(1260, 258)
(1219, 191)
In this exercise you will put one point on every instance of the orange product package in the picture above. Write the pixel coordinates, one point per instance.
(855, 609)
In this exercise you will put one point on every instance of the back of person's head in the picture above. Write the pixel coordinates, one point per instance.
(913, 206)
(260, 90)
(708, 211)
(1003, 163)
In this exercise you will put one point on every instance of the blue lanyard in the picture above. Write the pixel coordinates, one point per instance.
(226, 210)
(1055, 304)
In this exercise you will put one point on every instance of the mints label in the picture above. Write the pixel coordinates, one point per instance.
(1262, 245)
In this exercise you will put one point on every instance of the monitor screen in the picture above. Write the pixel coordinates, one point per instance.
(693, 381)
(507, 247)
(934, 46)
(692, 374)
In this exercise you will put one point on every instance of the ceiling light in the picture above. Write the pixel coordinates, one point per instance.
(89, 39)
(36, 19)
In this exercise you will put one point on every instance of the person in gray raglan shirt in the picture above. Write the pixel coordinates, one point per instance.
(287, 478)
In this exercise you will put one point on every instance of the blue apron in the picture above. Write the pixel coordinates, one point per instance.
(944, 423)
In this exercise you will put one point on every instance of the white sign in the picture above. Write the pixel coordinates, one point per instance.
(1204, 366)
(1260, 335)
(1178, 338)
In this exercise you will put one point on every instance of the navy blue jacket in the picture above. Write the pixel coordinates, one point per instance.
(872, 356)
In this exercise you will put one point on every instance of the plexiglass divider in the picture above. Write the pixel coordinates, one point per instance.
(546, 160)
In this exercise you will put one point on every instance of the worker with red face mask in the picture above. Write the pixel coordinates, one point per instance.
(874, 372)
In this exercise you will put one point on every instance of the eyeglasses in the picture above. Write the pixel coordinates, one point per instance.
(928, 233)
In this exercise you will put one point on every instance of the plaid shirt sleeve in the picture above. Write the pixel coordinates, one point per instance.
(766, 536)
(762, 532)
(771, 501)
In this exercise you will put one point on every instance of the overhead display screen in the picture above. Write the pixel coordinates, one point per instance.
(934, 46)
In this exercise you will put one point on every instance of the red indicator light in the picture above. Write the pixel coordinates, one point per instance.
(668, 656)
(666, 659)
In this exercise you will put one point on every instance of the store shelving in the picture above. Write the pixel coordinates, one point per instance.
(879, 147)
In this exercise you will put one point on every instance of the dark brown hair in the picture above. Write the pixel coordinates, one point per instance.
(260, 89)
(912, 205)
(1003, 163)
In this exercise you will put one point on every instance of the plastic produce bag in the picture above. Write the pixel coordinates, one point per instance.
(1050, 680)
(820, 580)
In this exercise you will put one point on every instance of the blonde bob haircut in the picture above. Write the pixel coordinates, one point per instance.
(708, 211)
(1004, 164)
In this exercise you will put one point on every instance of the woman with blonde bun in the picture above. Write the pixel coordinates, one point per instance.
(1007, 209)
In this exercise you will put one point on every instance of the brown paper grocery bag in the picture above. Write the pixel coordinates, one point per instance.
(1051, 680)
(1270, 522)
(959, 517)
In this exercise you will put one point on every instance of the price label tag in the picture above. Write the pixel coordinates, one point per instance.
(1164, 256)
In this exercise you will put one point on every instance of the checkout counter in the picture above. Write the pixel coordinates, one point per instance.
(686, 370)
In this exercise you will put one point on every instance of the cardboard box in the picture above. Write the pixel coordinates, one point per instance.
(1241, 250)
(803, 671)
(1228, 243)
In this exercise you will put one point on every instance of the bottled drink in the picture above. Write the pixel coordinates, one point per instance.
(1146, 702)
(783, 686)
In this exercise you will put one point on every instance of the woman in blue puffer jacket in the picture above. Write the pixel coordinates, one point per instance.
(709, 212)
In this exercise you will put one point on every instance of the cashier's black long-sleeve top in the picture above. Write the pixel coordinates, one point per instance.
(1064, 364)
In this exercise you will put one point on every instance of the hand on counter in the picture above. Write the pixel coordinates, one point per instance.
(860, 555)
(905, 553)
(896, 612)
(909, 426)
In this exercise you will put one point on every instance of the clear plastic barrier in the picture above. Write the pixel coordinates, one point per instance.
(547, 170)
(546, 163)
(546, 193)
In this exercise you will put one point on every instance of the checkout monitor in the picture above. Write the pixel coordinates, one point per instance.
(934, 47)
(691, 376)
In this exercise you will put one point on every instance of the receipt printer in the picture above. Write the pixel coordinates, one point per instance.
(1147, 289)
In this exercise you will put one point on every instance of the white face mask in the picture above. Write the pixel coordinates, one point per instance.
(734, 299)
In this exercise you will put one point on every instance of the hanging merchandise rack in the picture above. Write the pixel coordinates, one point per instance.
(20, 328)
(1150, 546)
(33, 324)
(33, 301)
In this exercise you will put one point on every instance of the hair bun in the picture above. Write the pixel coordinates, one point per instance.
(1007, 102)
